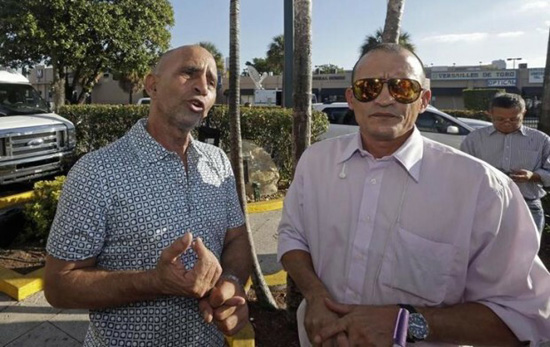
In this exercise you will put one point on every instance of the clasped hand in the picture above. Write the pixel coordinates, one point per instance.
(174, 279)
(356, 325)
(225, 306)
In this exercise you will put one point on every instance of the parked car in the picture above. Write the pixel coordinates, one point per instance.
(143, 101)
(475, 123)
(432, 123)
(34, 142)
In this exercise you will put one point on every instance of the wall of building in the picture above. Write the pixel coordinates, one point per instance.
(446, 82)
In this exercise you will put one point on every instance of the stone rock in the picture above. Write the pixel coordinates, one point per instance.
(261, 170)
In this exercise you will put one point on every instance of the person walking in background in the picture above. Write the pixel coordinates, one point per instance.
(520, 152)
(386, 219)
(149, 234)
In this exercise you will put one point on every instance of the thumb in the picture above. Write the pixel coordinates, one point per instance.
(179, 246)
(335, 307)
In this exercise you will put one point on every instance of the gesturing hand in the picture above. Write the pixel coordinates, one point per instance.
(364, 325)
(174, 279)
(226, 307)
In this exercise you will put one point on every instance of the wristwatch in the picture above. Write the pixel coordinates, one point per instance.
(418, 325)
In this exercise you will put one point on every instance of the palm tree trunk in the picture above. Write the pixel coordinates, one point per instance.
(392, 26)
(262, 290)
(545, 112)
(301, 127)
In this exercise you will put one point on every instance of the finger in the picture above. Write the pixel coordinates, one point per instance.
(223, 312)
(342, 340)
(179, 246)
(330, 330)
(206, 311)
(341, 309)
(200, 249)
(221, 293)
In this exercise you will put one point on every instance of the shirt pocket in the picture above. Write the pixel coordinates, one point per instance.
(526, 159)
(417, 268)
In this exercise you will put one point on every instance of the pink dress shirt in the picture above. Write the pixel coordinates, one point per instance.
(427, 226)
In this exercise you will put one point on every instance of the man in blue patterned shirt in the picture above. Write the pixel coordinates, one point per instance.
(149, 234)
(519, 151)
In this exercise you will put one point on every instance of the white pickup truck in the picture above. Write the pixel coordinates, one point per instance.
(34, 142)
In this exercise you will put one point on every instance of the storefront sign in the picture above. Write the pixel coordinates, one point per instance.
(536, 75)
(501, 83)
(473, 75)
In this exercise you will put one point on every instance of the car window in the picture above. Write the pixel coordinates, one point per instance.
(434, 123)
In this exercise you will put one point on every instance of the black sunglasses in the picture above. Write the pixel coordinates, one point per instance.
(403, 90)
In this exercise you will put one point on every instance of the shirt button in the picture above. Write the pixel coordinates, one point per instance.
(373, 181)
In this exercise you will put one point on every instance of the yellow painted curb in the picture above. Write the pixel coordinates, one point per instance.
(264, 206)
(16, 199)
(244, 338)
(20, 286)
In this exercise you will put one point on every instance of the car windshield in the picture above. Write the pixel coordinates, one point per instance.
(20, 99)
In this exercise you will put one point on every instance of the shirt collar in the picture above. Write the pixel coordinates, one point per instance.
(409, 155)
(150, 151)
(492, 130)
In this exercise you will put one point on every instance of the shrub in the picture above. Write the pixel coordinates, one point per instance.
(475, 114)
(268, 127)
(479, 99)
(39, 213)
(98, 125)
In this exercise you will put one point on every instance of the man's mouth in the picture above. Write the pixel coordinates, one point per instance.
(196, 105)
(384, 115)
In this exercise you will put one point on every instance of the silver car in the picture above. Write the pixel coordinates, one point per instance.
(432, 123)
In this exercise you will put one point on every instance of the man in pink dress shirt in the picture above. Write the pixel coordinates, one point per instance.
(387, 218)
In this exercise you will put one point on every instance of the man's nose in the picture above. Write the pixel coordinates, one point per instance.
(384, 98)
(201, 84)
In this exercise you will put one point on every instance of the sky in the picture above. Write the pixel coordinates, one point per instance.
(445, 32)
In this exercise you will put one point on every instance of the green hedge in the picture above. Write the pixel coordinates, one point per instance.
(475, 114)
(39, 213)
(268, 127)
(479, 99)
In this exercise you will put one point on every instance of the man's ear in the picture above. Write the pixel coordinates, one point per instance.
(349, 98)
(425, 100)
(151, 85)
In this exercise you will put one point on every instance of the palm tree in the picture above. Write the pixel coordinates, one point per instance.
(545, 114)
(262, 290)
(392, 26)
(218, 56)
(371, 41)
(301, 127)
(275, 55)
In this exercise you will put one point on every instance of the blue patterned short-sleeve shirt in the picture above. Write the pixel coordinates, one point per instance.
(124, 204)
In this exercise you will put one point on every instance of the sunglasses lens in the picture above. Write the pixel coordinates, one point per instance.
(367, 89)
(404, 91)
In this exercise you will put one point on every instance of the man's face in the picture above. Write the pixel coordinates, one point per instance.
(185, 86)
(385, 119)
(507, 120)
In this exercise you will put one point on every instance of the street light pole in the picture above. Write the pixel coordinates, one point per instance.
(513, 61)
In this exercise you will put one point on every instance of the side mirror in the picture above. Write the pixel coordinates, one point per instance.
(453, 129)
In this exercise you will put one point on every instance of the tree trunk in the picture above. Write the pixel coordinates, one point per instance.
(545, 111)
(58, 85)
(392, 26)
(262, 290)
(301, 126)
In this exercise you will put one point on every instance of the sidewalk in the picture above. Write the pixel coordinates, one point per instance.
(33, 322)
